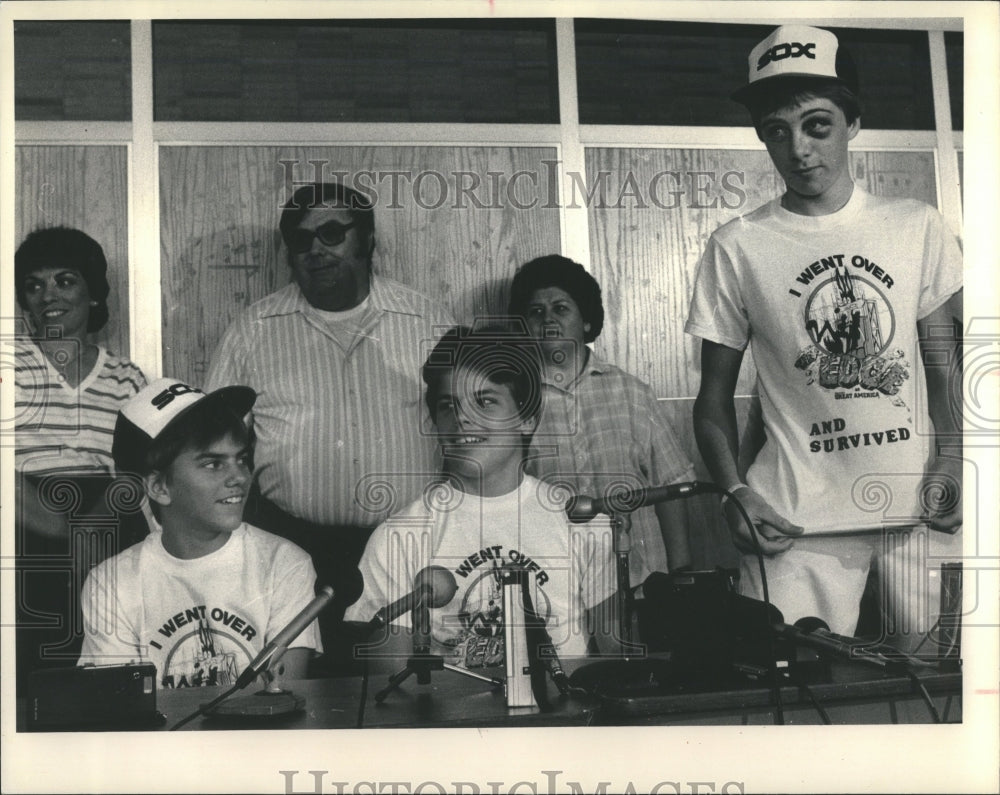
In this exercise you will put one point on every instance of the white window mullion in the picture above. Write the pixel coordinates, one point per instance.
(949, 190)
(574, 227)
(689, 137)
(145, 321)
(352, 133)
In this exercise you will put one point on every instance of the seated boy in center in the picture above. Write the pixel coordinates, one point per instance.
(484, 515)
(203, 594)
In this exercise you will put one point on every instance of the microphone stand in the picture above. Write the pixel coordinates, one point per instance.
(421, 663)
(633, 665)
(271, 701)
(621, 525)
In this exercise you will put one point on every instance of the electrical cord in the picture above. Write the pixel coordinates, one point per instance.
(952, 645)
(779, 712)
(364, 694)
(919, 687)
(823, 715)
(204, 708)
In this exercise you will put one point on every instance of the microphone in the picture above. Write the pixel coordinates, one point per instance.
(814, 632)
(273, 651)
(582, 509)
(433, 586)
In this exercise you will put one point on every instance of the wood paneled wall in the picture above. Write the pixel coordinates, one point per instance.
(84, 187)
(221, 249)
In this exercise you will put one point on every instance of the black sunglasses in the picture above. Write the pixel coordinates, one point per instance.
(332, 233)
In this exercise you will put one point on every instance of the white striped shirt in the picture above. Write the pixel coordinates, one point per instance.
(63, 429)
(343, 437)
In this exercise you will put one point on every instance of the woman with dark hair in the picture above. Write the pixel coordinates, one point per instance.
(68, 391)
(600, 427)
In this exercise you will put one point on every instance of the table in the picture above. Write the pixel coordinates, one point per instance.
(854, 693)
(449, 700)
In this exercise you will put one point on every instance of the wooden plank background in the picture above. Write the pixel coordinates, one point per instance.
(221, 249)
(85, 187)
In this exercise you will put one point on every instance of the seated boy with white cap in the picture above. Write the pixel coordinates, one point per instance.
(203, 594)
(839, 291)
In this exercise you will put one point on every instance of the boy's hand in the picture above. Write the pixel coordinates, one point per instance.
(941, 492)
(774, 531)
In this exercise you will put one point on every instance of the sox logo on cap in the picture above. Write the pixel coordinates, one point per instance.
(787, 50)
(797, 51)
(144, 418)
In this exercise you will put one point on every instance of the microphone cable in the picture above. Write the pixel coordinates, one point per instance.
(204, 708)
(922, 690)
(808, 691)
(779, 712)
(360, 724)
(952, 643)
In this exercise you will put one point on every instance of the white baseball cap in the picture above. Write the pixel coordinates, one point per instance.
(157, 406)
(797, 51)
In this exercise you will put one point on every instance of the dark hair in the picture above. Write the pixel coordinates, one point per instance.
(326, 195)
(562, 272)
(500, 354)
(202, 425)
(198, 428)
(64, 247)
(792, 91)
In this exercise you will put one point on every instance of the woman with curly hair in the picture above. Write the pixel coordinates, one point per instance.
(600, 427)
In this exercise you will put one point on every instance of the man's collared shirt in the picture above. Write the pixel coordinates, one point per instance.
(343, 435)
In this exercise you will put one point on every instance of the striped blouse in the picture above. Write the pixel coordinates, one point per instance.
(343, 435)
(62, 429)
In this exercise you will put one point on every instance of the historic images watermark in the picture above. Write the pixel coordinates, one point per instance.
(316, 779)
(528, 189)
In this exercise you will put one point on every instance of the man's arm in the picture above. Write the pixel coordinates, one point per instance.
(717, 433)
(673, 521)
(942, 481)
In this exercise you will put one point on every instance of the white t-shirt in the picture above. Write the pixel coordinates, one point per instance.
(570, 566)
(199, 621)
(829, 305)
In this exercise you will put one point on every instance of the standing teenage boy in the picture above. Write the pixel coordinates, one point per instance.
(485, 515)
(203, 594)
(836, 289)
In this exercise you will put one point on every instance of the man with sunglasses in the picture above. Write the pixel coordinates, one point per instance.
(335, 359)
